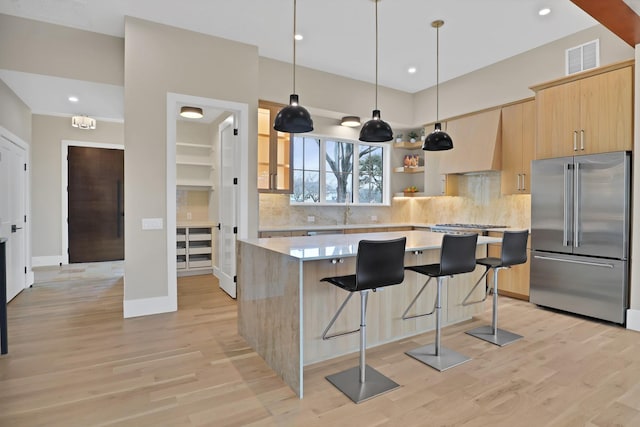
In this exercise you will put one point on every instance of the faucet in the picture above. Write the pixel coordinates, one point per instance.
(347, 210)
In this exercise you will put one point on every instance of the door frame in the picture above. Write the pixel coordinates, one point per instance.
(241, 112)
(64, 151)
(14, 139)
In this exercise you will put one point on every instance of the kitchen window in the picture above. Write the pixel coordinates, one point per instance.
(329, 171)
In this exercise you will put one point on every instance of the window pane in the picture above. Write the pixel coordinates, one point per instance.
(339, 163)
(312, 154)
(306, 185)
(312, 187)
(370, 184)
(298, 152)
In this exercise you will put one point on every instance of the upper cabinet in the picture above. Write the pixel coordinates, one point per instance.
(587, 113)
(518, 138)
(476, 143)
(274, 152)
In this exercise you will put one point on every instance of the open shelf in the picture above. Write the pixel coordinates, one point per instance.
(408, 145)
(402, 169)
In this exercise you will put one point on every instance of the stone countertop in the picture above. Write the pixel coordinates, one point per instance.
(308, 248)
(195, 224)
(319, 227)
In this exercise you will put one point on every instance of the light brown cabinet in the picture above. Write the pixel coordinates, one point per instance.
(586, 115)
(274, 152)
(512, 282)
(518, 140)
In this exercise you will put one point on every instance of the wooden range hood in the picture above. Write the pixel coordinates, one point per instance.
(477, 143)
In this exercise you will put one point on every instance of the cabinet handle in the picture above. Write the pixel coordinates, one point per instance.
(337, 261)
(582, 139)
(575, 140)
(524, 188)
(518, 185)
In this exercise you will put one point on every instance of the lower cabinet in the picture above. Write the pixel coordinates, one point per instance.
(193, 250)
(512, 282)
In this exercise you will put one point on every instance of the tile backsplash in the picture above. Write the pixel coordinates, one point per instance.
(479, 201)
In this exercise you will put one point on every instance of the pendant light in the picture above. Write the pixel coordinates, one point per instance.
(438, 140)
(376, 130)
(293, 118)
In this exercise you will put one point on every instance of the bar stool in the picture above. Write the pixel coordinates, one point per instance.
(379, 263)
(514, 252)
(458, 255)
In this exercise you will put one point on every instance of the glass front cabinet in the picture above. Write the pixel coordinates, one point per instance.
(274, 152)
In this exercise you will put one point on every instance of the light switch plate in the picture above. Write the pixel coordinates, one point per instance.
(311, 218)
(152, 223)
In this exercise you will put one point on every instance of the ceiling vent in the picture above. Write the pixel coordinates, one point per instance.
(583, 57)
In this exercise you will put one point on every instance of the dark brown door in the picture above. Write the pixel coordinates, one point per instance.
(96, 204)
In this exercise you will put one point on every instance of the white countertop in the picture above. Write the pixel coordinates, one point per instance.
(308, 248)
(318, 227)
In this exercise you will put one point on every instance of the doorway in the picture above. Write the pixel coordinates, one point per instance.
(14, 190)
(241, 113)
(95, 204)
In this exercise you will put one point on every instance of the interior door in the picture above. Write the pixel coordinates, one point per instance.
(96, 204)
(225, 269)
(13, 214)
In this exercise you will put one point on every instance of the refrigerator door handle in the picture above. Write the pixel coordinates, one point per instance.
(576, 205)
(565, 208)
(571, 261)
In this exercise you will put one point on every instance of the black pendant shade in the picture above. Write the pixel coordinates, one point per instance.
(438, 140)
(293, 118)
(376, 130)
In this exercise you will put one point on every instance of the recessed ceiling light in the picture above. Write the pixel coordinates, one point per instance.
(544, 11)
(412, 70)
(298, 37)
(73, 99)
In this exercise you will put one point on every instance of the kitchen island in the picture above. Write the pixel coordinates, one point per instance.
(283, 307)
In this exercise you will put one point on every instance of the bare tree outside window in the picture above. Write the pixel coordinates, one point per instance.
(340, 165)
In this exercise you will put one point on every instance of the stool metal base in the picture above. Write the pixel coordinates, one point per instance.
(447, 358)
(501, 338)
(349, 383)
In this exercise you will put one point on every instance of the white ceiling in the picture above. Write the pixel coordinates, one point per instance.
(339, 36)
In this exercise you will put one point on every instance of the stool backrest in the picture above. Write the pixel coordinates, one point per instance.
(458, 254)
(514, 247)
(380, 263)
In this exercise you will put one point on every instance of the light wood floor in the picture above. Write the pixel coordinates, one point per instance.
(73, 361)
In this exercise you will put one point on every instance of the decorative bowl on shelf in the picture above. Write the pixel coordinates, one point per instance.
(410, 191)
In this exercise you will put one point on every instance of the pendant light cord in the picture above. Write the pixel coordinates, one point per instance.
(376, 53)
(437, 73)
(294, 46)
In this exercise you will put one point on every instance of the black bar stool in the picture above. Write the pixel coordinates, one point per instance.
(378, 264)
(458, 255)
(514, 252)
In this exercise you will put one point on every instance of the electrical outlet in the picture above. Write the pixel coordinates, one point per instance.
(188, 216)
(374, 218)
(311, 218)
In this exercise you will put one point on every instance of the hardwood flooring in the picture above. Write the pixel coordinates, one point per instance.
(74, 361)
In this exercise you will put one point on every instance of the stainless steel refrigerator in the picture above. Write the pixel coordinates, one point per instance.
(580, 234)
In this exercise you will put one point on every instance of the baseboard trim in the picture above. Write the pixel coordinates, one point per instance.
(148, 306)
(44, 261)
(633, 319)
